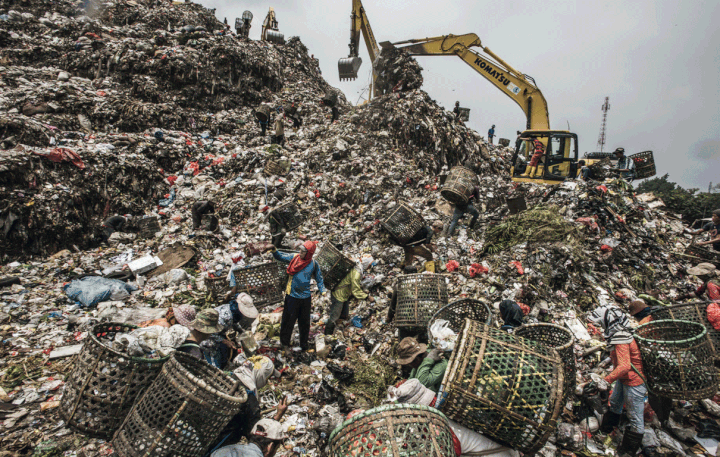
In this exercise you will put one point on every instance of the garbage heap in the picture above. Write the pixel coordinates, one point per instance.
(147, 108)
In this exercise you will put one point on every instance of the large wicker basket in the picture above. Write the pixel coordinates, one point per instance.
(402, 222)
(419, 297)
(644, 164)
(693, 312)
(148, 226)
(503, 387)
(334, 266)
(401, 430)
(459, 185)
(288, 216)
(555, 337)
(677, 359)
(261, 282)
(467, 308)
(104, 383)
(182, 413)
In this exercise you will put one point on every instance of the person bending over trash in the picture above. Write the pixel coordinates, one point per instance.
(203, 343)
(511, 314)
(298, 303)
(426, 367)
(347, 288)
(416, 245)
(199, 210)
(629, 390)
(113, 224)
(461, 210)
(264, 440)
(713, 228)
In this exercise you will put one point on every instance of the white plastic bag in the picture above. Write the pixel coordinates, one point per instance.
(442, 336)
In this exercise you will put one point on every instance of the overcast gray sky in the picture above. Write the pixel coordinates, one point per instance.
(657, 60)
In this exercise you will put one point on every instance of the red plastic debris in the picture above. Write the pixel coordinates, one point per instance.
(476, 269)
(525, 308)
(452, 265)
(518, 266)
(606, 248)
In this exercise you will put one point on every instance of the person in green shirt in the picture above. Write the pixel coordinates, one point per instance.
(426, 367)
(347, 288)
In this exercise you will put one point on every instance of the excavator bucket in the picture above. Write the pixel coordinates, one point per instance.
(348, 68)
(273, 36)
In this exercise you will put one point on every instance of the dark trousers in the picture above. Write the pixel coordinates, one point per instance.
(263, 127)
(296, 310)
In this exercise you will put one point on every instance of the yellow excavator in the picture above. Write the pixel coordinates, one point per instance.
(270, 31)
(348, 67)
(561, 146)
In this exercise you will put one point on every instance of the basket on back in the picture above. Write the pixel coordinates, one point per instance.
(459, 185)
(402, 222)
(182, 413)
(400, 430)
(419, 297)
(555, 337)
(104, 383)
(693, 312)
(644, 164)
(288, 216)
(261, 282)
(334, 266)
(677, 359)
(503, 386)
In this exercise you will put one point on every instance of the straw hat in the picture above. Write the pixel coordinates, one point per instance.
(408, 349)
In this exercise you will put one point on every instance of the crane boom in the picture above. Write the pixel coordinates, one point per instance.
(518, 86)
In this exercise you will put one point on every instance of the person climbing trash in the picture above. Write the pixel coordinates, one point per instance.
(713, 229)
(456, 111)
(461, 210)
(624, 165)
(346, 289)
(279, 137)
(427, 367)
(491, 134)
(199, 210)
(420, 245)
(511, 315)
(298, 300)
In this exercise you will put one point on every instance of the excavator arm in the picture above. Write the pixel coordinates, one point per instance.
(518, 86)
(359, 23)
(270, 31)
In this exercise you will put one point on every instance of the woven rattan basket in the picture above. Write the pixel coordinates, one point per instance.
(459, 185)
(419, 297)
(148, 226)
(677, 359)
(288, 216)
(559, 338)
(218, 288)
(402, 222)
(261, 282)
(467, 308)
(263, 113)
(277, 167)
(334, 266)
(182, 413)
(503, 387)
(644, 164)
(400, 430)
(104, 383)
(693, 312)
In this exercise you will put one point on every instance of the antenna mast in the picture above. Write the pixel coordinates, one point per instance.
(601, 138)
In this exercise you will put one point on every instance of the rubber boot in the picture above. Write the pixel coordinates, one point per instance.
(630, 444)
(610, 420)
(533, 171)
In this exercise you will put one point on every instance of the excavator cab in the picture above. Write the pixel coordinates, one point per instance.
(348, 68)
(558, 163)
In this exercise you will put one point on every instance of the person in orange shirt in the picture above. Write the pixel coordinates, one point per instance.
(629, 389)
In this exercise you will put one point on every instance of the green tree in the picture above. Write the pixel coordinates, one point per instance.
(688, 202)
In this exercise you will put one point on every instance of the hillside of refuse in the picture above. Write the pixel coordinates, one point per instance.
(145, 108)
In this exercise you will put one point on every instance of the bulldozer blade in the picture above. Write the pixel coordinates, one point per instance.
(348, 68)
(273, 36)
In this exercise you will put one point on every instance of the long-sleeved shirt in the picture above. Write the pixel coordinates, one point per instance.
(299, 286)
(350, 285)
(430, 373)
(622, 356)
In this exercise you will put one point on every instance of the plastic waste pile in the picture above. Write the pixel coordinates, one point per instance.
(145, 108)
